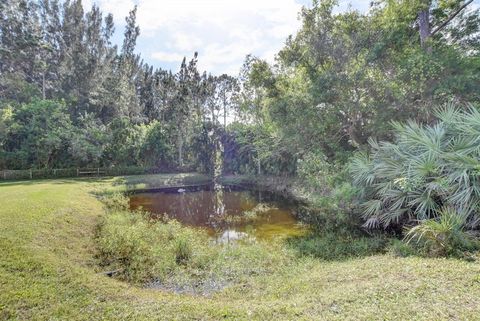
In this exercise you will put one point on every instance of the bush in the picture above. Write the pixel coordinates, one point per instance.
(442, 236)
(247, 146)
(335, 246)
(425, 169)
(165, 253)
(318, 174)
(143, 250)
(182, 250)
(330, 195)
(402, 249)
(332, 211)
(116, 201)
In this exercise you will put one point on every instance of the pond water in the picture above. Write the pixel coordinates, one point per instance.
(227, 213)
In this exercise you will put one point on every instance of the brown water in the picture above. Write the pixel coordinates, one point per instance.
(227, 213)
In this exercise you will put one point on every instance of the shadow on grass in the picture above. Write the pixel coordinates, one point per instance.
(130, 181)
(146, 182)
(54, 181)
(337, 245)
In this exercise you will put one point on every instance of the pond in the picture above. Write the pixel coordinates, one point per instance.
(227, 213)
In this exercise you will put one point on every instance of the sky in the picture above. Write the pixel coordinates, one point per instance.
(223, 32)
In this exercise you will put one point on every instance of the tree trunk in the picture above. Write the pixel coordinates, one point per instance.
(43, 86)
(224, 113)
(214, 121)
(424, 26)
(450, 18)
(180, 150)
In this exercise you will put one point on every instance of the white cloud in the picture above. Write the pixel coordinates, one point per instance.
(186, 42)
(167, 56)
(361, 5)
(222, 31)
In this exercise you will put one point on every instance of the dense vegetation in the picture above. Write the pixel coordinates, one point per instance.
(66, 87)
(429, 174)
(47, 246)
(69, 97)
(424, 170)
(340, 82)
(167, 255)
(372, 119)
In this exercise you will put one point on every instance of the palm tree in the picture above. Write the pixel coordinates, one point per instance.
(425, 169)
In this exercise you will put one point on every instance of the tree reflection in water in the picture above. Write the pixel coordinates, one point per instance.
(221, 211)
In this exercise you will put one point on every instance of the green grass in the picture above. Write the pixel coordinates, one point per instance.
(167, 255)
(140, 182)
(48, 272)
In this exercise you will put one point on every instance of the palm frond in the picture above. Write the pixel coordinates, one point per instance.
(424, 169)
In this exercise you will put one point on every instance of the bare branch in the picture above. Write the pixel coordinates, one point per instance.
(440, 27)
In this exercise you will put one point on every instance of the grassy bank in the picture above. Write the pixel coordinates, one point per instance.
(48, 271)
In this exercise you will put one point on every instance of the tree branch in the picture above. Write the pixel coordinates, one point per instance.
(440, 27)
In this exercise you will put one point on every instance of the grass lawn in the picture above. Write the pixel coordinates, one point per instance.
(47, 271)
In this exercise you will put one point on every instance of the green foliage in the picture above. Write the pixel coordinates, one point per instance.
(337, 246)
(116, 201)
(425, 169)
(117, 110)
(330, 196)
(344, 76)
(38, 134)
(205, 143)
(257, 149)
(320, 175)
(156, 150)
(183, 251)
(332, 211)
(402, 249)
(126, 141)
(444, 235)
(147, 251)
(88, 141)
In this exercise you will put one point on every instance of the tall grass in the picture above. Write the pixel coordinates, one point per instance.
(138, 249)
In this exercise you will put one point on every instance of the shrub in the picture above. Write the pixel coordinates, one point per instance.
(332, 211)
(145, 251)
(124, 246)
(330, 195)
(318, 174)
(182, 250)
(116, 201)
(425, 169)
(402, 249)
(334, 245)
(442, 236)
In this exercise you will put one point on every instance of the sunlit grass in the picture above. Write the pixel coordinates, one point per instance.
(48, 272)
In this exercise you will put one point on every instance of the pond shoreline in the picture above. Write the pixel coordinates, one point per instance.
(48, 272)
(283, 186)
(229, 211)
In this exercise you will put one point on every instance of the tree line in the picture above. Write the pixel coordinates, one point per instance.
(70, 97)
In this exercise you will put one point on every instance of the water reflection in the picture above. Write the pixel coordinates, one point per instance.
(226, 212)
(230, 236)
